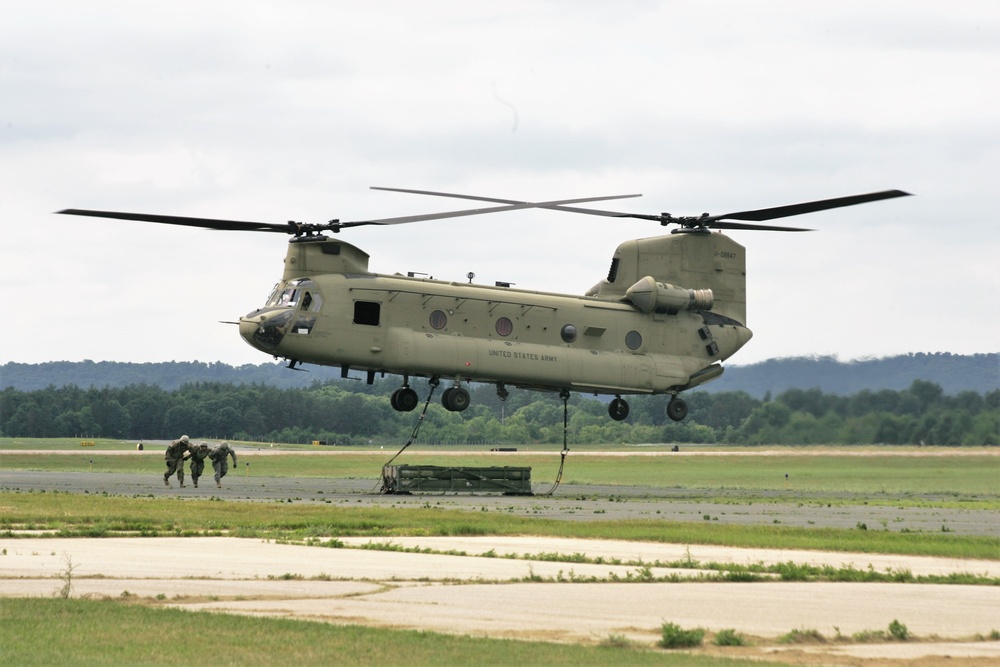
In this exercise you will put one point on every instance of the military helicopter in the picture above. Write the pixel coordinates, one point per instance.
(671, 309)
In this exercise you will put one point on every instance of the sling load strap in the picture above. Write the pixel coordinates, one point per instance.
(564, 395)
(433, 382)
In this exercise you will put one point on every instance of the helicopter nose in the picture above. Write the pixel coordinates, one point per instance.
(248, 326)
(264, 331)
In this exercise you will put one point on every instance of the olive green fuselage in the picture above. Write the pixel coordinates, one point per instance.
(330, 310)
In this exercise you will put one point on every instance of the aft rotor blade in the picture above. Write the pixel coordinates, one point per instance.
(808, 207)
(206, 223)
(555, 205)
(511, 205)
(719, 221)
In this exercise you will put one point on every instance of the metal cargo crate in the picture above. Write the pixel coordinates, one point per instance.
(512, 481)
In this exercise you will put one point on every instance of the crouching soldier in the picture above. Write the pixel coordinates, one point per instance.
(177, 451)
(220, 461)
(198, 456)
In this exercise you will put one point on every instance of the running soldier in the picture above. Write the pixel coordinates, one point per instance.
(198, 455)
(177, 452)
(220, 461)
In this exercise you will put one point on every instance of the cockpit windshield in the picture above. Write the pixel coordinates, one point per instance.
(294, 292)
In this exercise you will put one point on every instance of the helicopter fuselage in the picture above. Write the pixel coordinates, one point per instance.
(630, 335)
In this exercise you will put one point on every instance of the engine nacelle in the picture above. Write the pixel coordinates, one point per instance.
(648, 295)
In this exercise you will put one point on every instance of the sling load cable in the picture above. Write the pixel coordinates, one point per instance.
(433, 382)
(564, 395)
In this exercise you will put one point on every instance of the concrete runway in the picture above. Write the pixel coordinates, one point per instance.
(525, 597)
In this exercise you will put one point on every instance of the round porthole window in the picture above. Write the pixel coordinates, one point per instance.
(439, 320)
(633, 339)
(504, 326)
(568, 333)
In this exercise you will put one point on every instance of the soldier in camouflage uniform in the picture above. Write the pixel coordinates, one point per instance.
(198, 456)
(176, 452)
(220, 461)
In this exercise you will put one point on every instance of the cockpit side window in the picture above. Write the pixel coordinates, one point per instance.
(312, 301)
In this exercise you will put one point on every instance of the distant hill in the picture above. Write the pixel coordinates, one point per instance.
(168, 375)
(952, 372)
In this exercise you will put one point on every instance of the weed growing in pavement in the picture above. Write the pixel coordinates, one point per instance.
(802, 636)
(730, 637)
(674, 636)
(67, 578)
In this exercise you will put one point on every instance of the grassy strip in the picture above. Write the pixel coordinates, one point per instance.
(102, 516)
(113, 632)
(711, 571)
(959, 476)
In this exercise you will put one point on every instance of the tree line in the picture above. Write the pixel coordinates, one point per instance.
(354, 413)
(954, 372)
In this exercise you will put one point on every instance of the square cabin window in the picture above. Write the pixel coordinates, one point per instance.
(367, 312)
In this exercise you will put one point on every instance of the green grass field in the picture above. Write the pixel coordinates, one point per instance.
(927, 477)
(111, 632)
(950, 475)
(143, 631)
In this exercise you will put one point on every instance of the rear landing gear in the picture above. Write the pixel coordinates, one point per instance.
(618, 409)
(677, 409)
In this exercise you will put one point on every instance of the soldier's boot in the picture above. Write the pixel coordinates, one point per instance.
(218, 484)
(196, 484)
(166, 482)
(181, 480)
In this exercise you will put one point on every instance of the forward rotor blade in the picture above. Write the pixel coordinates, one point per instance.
(808, 207)
(206, 223)
(334, 225)
(759, 228)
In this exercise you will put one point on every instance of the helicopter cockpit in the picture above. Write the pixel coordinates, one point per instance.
(291, 309)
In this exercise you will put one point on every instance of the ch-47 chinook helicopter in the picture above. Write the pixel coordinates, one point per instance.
(671, 309)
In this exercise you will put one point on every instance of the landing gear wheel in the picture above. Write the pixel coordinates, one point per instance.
(404, 399)
(677, 409)
(618, 409)
(456, 399)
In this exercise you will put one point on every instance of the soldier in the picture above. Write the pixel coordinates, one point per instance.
(198, 455)
(220, 461)
(177, 451)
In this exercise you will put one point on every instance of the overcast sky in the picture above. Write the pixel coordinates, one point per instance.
(271, 111)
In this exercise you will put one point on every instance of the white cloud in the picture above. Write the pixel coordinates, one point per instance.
(273, 111)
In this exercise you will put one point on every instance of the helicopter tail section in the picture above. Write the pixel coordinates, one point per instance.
(656, 274)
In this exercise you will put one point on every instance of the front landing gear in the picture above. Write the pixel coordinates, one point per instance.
(404, 399)
(455, 399)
